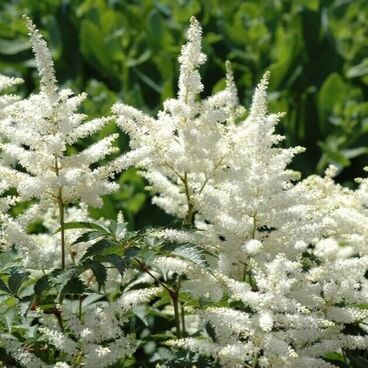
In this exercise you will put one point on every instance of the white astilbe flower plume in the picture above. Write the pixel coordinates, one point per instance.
(98, 340)
(6, 201)
(45, 64)
(182, 150)
(37, 136)
(190, 59)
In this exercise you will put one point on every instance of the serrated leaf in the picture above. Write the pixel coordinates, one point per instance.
(83, 225)
(113, 226)
(60, 280)
(15, 281)
(9, 259)
(192, 254)
(3, 287)
(131, 252)
(118, 262)
(98, 248)
(88, 236)
(40, 285)
(117, 230)
(73, 286)
(99, 271)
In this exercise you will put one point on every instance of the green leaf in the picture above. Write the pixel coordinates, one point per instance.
(116, 229)
(356, 361)
(332, 154)
(88, 236)
(192, 254)
(15, 281)
(116, 261)
(354, 152)
(141, 59)
(13, 47)
(358, 70)
(131, 252)
(333, 91)
(99, 271)
(9, 259)
(73, 286)
(98, 248)
(93, 46)
(83, 225)
(336, 357)
(41, 285)
(3, 287)
(149, 81)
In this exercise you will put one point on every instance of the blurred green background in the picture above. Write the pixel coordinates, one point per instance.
(316, 50)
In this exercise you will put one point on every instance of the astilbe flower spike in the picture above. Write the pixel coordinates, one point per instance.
(184, 148)
(37, 136)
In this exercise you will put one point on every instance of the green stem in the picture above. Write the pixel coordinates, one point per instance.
(255, 360)
(345, 357)
(174, 295)
(245, 272)
(61, 216)
(80, 307)
(126, 81)
(175, 301)
(183, 332)
(189, 216)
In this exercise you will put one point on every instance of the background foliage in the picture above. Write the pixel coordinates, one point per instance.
(316, 50)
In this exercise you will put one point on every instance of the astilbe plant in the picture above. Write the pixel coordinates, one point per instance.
(265, 231)
(274, 265)
(36, 136)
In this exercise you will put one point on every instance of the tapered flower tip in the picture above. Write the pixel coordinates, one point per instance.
(31, 27)
(195, 30)
(265, 80)
(229, 75)
(193, 21)
(259, 103)
(45, 64)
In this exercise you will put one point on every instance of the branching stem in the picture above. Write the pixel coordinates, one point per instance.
(189, 216)
(61, 216)
(174, 295)
(175, 300)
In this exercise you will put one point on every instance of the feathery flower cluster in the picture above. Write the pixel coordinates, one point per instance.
(186, 146)
(284, 249)
(6, 100)
(97, 341)
(36, 136)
